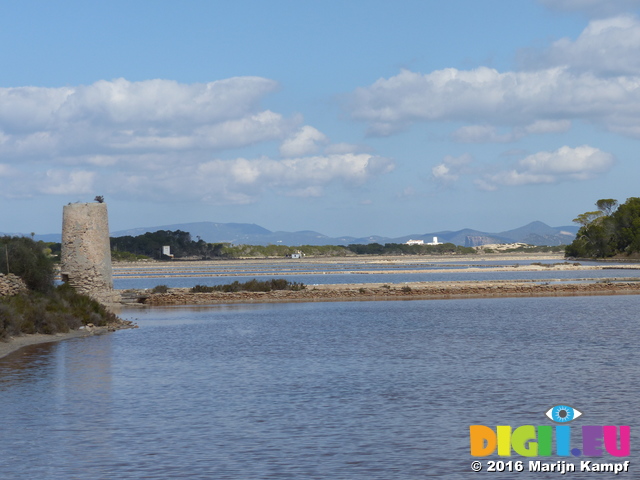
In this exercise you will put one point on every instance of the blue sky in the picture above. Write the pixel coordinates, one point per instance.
(349, 118)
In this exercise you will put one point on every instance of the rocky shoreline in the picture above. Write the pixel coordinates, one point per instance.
(406, 291)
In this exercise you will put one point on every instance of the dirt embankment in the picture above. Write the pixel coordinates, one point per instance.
(407, 291)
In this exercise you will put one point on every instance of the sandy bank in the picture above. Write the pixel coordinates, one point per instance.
(16, 343)
(408, 291)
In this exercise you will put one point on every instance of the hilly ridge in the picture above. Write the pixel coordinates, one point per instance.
(534, 233)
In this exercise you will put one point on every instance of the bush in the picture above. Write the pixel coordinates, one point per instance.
(58, 311)
(251, 286)
(160, 289)
(26, 258)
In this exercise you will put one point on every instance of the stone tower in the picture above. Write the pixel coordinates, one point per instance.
(86, 252)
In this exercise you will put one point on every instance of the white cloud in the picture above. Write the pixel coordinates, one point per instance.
(304, 142)
(60, 182)
(548, 126)
(131, 104)
(162, 135)
(115, 117)
(407, 192)
(294, 171)
(520, 98)
(489, 133)
(564, 164)
(451, 168)
(243, 180)
(597, 8)
(594, 78)
(340, 148)
(482, 134)
(607, 47)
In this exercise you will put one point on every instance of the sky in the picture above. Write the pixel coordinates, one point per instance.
(348, 118)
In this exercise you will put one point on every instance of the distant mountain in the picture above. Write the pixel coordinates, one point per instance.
(534, 233)
(209, 231)
(538, 233)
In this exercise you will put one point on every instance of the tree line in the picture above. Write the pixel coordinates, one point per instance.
(611, 230)
(182, 245)
(150, 245)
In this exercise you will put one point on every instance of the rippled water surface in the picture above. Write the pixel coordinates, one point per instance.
(353, 390)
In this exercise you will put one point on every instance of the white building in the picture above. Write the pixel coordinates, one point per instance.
(421, 242)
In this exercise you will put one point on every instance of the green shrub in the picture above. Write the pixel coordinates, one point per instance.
(57, 311)
(160, 289)
(26, 258)
(251, 286)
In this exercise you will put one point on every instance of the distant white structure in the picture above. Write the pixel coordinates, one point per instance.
(166, 250)
(421, 242)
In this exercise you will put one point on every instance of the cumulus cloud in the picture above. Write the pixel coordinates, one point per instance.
(60, 182)
(244, 180)
(337, 148)
(305, 141)
(162, 136)
(490, 134)
(121, 116)
(518, 98)
(548, 126)
(607, 47)
(482, 134)
(596, 8)
(295, 171)
(451, 168)
(594, 78)
(565, 164)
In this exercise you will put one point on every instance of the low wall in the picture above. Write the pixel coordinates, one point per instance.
(11, 285)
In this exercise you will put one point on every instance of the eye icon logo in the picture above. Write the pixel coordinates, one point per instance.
(563, 414)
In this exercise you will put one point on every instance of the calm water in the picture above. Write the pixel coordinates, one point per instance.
(353, 390)
(336, 278)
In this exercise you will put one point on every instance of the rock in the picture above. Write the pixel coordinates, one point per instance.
(11, 285)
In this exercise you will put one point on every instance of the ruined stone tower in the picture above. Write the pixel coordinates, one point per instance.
(86, 252)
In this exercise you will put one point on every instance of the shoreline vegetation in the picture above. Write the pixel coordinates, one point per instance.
(33, 309)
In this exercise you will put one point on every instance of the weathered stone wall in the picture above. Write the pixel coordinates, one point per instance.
(11, 285)
(86, 252)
